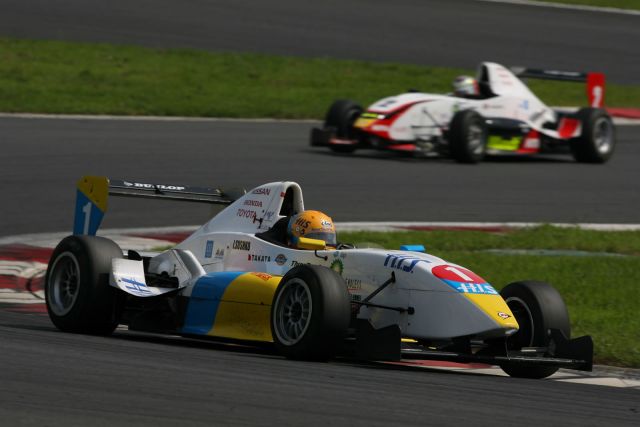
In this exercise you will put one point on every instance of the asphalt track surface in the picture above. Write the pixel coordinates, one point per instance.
(57, 379)
(458, 33)
(43, 158)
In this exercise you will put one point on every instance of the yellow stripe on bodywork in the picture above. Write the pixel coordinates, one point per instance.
(492, 305)
(245, 308)
(96, 189)
(363, 123)
(499, 143)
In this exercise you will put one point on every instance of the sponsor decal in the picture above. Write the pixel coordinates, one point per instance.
(503, 315)
(208, 250)
(263, 276)
(353, 284)
(536, 116)
(256, 203)
(295, 263)
(326, 224)
(246, 213)
(219, 253)
(269, 215)
(153, 186)
(262, 190)
(281, 259)
(463, 280)
(402, 262)
(258, 258)
(241, 245)
(337, 266)
(135, 286)
(301, 222)
(473, 288)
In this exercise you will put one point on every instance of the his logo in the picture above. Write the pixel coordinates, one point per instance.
(402, 262)
(503, 315)
(281, 259)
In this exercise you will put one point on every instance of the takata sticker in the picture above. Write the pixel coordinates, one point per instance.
(463, 280)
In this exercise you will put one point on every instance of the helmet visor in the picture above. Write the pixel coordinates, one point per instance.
(329, 238)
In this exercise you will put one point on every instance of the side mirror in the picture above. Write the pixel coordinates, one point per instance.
(311, 244)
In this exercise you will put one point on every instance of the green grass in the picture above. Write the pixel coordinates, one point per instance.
(601, 292)
(82, 78)
(621, 4)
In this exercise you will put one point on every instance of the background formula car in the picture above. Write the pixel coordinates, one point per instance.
(235, 278)
(505, 118)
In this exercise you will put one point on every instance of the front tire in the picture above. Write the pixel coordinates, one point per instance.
(537, 307)
(78, 295)
(341, 116)
(468, 137)
(597, 141)
(310, 314)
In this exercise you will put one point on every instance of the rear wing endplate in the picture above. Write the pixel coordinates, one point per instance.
(595, 81)
(93, 193)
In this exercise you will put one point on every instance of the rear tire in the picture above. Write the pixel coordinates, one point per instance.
(341, 116)
(597, 141)
(468, 137)
(537, 307)
(78, 295)
(310, 314)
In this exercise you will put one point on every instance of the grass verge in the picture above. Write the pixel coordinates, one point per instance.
(82, 78)
(600, 291)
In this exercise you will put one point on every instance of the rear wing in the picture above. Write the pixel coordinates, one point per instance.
(595, 81)
(93, 193)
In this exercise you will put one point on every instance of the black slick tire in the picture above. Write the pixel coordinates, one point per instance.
(597, 140)
(340, 117)
(310, 314)
(78, 295)
(537, 307)
(468, 137)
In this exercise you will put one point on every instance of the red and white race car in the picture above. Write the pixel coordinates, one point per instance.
(505, 117)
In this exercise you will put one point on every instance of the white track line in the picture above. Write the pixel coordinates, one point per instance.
(619, 121)
(151, 118)
(584, 8)
(52, 239)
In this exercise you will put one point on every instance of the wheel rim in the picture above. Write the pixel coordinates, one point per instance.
(526, 328)
(293, 310)
(603, 135)
(475, 138)
(64, 284)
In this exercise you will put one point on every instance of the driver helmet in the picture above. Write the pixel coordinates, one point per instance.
(465, 86)
(313, 225)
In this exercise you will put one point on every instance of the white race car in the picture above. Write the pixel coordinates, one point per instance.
(505, 117)
(238, 278)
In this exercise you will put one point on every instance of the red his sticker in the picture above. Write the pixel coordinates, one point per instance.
(456, 274)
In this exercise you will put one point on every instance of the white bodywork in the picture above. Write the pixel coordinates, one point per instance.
(425, 116)
(228, 242)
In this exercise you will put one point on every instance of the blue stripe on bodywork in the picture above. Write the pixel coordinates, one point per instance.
(204, 301)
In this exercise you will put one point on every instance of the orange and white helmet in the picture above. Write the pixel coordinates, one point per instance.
(465, 86)
(312, 225)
